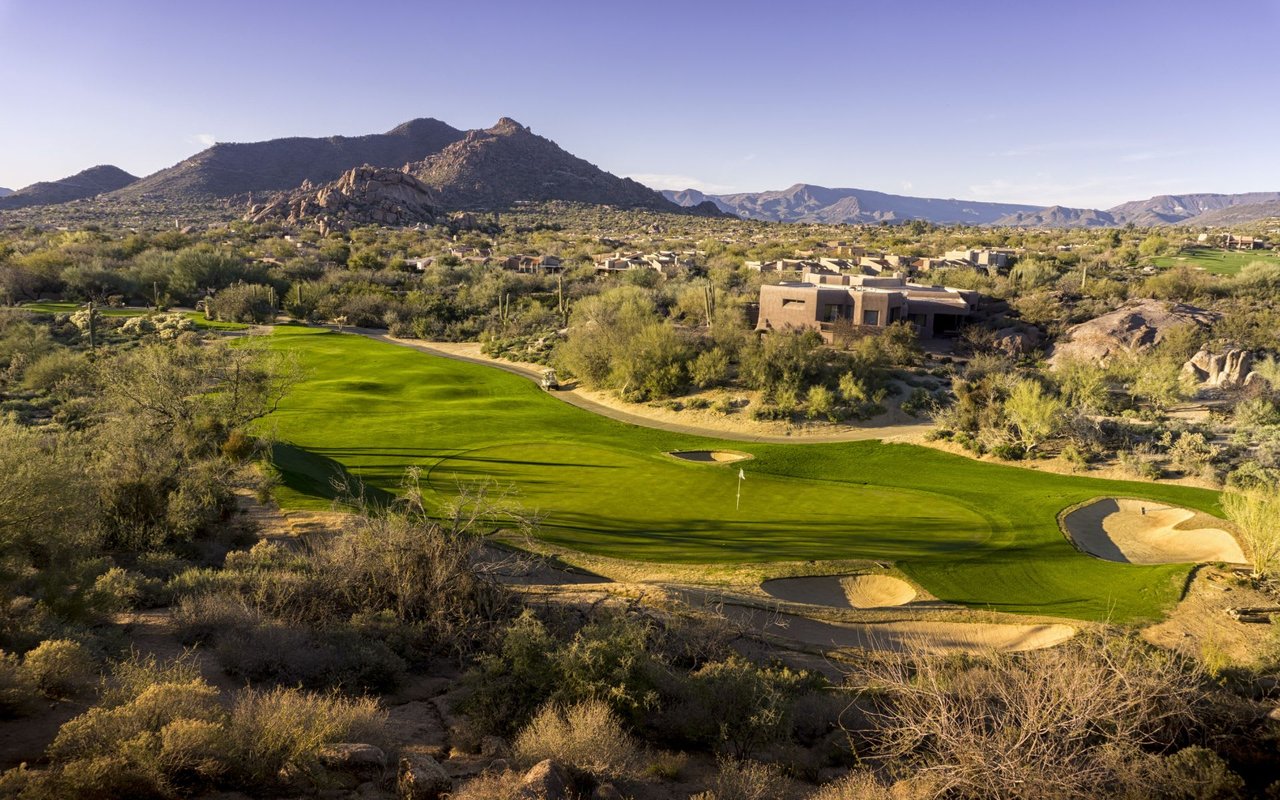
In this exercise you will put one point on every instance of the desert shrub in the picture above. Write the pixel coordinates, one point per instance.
(131, 677)
(614, 660)
(586, 736)
(610, 660)
(238, 446)
(665, 765)
(507, 686)
(59, 668)
(1256, 514)
(420, 571)
(1192, 773)
(202, 617)
(119, 590)
(267, 730)
(120, 750)
(710, 368)
(783, 360)
(738, 705)
(62, 371)
(338, 658)
(244, 303)
(1065, 722)
(18, 691)
(505, 785)
(1191, 452)
(161, 731)
(769, 413)
(329, 615)
(103, 729)
(820, 402)
(864, 785)
(745, 780)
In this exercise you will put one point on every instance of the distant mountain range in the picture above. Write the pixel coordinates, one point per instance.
(498, 167)
(808, 203)
(805, 202)
(89, 183)
(5, 192)
(480, 169)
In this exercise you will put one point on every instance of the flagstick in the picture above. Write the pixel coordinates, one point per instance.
(737, 505)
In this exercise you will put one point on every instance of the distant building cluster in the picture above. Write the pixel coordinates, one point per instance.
(1228, 241)
(665, 262)
(847, 258)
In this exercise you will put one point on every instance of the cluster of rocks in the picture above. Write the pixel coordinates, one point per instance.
(362, 196)
(1230, 369)
(1134, 328)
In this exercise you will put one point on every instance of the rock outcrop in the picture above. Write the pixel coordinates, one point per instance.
(1226, 370)
(362, 196)
(1134, 328)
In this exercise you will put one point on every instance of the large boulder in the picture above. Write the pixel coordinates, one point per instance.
(1134, 328)
(421, 778)
(362, 762)
(1226, 370)
(546, 780)
(1016, 341)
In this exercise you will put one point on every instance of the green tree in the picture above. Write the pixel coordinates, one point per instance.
(820, 402)
(1034, 414)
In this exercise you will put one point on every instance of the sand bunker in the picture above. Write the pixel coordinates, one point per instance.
(710, 456)
(909, 636)
(1143, 532)
(842, 591)
(877, 591)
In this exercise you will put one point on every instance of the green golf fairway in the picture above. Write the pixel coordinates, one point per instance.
(675, 511)
(1218, 262)
(970, 532)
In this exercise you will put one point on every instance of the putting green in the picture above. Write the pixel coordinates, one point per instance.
(969, 532)
(599, 500)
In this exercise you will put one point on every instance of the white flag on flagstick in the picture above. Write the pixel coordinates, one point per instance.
(737, 502)
(742, 476)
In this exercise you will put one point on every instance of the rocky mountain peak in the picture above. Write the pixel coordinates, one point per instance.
(507, 126)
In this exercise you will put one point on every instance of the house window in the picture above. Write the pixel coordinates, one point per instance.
(870, 317)
(790, 303)
(834, 313)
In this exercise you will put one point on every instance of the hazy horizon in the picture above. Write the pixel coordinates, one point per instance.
(1088, 105)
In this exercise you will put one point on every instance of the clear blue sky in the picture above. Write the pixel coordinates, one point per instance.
(1078, 102)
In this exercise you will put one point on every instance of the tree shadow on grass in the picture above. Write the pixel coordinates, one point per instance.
(309, 473)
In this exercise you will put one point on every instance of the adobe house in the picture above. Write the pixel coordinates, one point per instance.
(823, 301)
